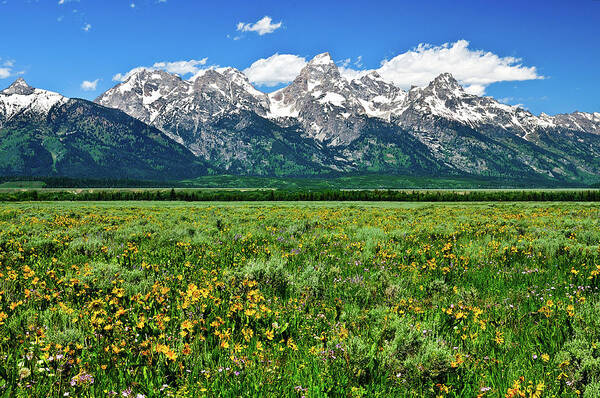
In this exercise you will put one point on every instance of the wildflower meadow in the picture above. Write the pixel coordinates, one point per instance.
(132, 299)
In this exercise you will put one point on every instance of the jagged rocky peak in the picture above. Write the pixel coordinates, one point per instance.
(319, 76)
(152, 74)
(321, 70)
(379, 97)
(20, 97)
(148, 80)
(445, 85)
(583, 121)
(445, 97)
(321, 59)
(445, 78)
(372, 76)
(236, 76)
(232, 87)
(205, 77)
(184, 108)
(145, 85)
(377, 85)
(20, 87)
(321, 63)
(230, 77)
(319, 83)
(323, 101)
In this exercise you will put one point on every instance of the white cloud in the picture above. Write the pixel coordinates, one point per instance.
(262, 26)
(7, 69)
(277, 69)
(506, 100)
(4, 73)
(475, 89)
(61, 2)
(351, 74)
(87, 27)
(88, 85)
(181, 68)
(474, 69)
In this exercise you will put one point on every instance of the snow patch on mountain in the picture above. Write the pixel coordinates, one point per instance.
(332, 98)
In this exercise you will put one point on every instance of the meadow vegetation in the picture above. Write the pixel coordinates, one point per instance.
(299, 300)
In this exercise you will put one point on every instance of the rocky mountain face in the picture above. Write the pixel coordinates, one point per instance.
(323, 102)
(45, 134)
(379, 98)
(183, 108)
(578, 121)
(220, 117)
(482, 136)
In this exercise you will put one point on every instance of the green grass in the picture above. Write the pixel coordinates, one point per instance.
(299, 299)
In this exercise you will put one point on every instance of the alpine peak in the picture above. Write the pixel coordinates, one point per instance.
(444, 86)
(374, 75)
(445, 79)
(19, 86)
(321, 59)
(150, 74)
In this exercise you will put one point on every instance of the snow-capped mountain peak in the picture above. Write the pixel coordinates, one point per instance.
(20, 98)
(180, 108)
(582, 121)
(445, 86)
(321, 59)
(20, 87)
(445, 98)
(323, 101)
(379, 97)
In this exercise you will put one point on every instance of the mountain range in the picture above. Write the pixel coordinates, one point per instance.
(156, 125)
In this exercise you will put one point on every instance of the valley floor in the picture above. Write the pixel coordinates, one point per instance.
(299, 299)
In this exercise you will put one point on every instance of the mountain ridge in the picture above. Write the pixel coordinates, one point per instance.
(43, 133)
(465, 133)
(321, 123)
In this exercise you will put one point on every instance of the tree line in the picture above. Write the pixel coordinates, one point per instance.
(193, 195)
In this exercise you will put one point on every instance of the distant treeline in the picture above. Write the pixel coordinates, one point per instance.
(191, 195)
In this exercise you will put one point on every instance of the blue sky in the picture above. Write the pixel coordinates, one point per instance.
(544, 55)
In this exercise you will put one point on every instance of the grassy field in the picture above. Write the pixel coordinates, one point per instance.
(299, 299)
